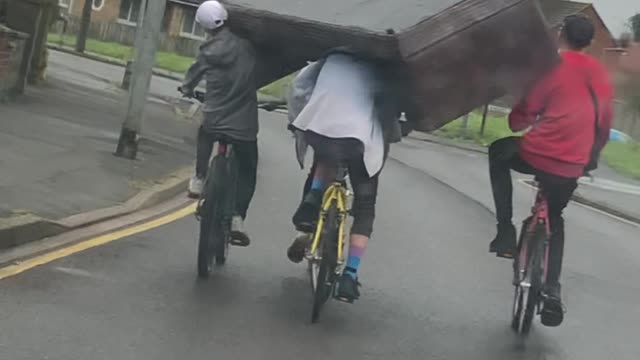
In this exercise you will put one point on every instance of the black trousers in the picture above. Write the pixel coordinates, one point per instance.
(331, 152)
(246, 153)
(504, 156)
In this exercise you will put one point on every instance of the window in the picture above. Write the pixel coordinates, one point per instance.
(64, 3)
(190, 28)
(98, 4)
(129, 10)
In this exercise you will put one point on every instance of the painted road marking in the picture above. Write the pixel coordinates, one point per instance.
(20, 267)
(524, 182)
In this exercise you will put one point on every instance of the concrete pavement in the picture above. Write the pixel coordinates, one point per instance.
(56, 153)
(431, 290)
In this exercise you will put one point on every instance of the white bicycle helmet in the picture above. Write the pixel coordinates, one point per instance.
(211, 15)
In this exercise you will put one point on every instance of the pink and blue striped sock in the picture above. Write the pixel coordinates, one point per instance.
(353, 262)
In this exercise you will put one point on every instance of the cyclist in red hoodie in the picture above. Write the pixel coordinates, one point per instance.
(569, 113)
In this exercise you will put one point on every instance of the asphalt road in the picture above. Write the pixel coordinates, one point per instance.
(431, 290)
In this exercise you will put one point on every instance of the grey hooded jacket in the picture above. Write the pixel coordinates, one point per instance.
(227, 62)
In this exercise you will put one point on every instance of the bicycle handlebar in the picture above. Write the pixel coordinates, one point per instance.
(198, 95)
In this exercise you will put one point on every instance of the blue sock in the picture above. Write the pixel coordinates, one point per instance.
(353, 262)
(316, 184)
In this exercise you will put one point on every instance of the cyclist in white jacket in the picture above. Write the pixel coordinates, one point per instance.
(347, 111)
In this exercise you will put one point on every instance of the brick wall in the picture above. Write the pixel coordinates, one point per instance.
(170, 41)
(113, 30)
(603, 39)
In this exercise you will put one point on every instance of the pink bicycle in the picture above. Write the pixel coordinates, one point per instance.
(530, 266)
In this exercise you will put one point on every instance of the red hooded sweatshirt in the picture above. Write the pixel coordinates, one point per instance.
(561, 113)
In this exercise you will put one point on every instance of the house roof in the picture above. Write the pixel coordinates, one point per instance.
(556, 10)
(377, 15)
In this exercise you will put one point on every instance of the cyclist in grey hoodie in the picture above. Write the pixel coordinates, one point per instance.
(227, 62)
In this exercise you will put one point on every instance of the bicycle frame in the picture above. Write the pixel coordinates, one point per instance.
(224, 149)
(338, 193)
(531, 266)
(540, 213)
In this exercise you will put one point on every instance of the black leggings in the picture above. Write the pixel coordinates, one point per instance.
(247, 156)
(330, 152)
(504, 156)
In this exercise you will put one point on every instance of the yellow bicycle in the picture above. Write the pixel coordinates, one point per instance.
(326, 254)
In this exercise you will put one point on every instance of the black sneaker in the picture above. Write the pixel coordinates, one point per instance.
(305, 217)
(348, 289)
(504, 244)
(552, 310)
(298, 248)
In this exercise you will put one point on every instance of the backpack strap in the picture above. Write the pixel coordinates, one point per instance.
(595, 153)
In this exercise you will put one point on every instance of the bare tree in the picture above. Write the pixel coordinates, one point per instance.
(634, 22)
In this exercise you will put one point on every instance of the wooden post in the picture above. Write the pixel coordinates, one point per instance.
(465, 124)
(484, 119)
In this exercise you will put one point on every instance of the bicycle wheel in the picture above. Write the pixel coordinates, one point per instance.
(228, 188)
(323, 274)
(211, 231)
(527, 291)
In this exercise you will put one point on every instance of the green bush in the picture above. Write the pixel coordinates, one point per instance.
(624, 158)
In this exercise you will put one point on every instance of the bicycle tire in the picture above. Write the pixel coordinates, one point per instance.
(228, 188)
(527, 299)
(210, 222)
(326, 270)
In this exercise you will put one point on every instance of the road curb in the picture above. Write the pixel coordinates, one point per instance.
(577, 198)
(22, 229)
(157, 72)
(606, 208)
(111, 61)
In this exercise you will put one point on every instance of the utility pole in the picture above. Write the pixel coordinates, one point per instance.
(140, 21)
(126, 79)
(149, 35)
(85, 22)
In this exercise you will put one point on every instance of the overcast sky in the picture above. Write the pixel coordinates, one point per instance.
(615, 13)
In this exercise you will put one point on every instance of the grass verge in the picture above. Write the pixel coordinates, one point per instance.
(495, 128)
(164, 60)
(623, 158)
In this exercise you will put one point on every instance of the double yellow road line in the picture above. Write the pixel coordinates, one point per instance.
(22, 266)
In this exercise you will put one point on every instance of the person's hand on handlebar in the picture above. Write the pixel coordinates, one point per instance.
(185, 93)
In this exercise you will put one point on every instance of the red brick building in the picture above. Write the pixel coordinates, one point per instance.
(115, 20)
(556, 10)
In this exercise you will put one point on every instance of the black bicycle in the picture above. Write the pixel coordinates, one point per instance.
(216, 203)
